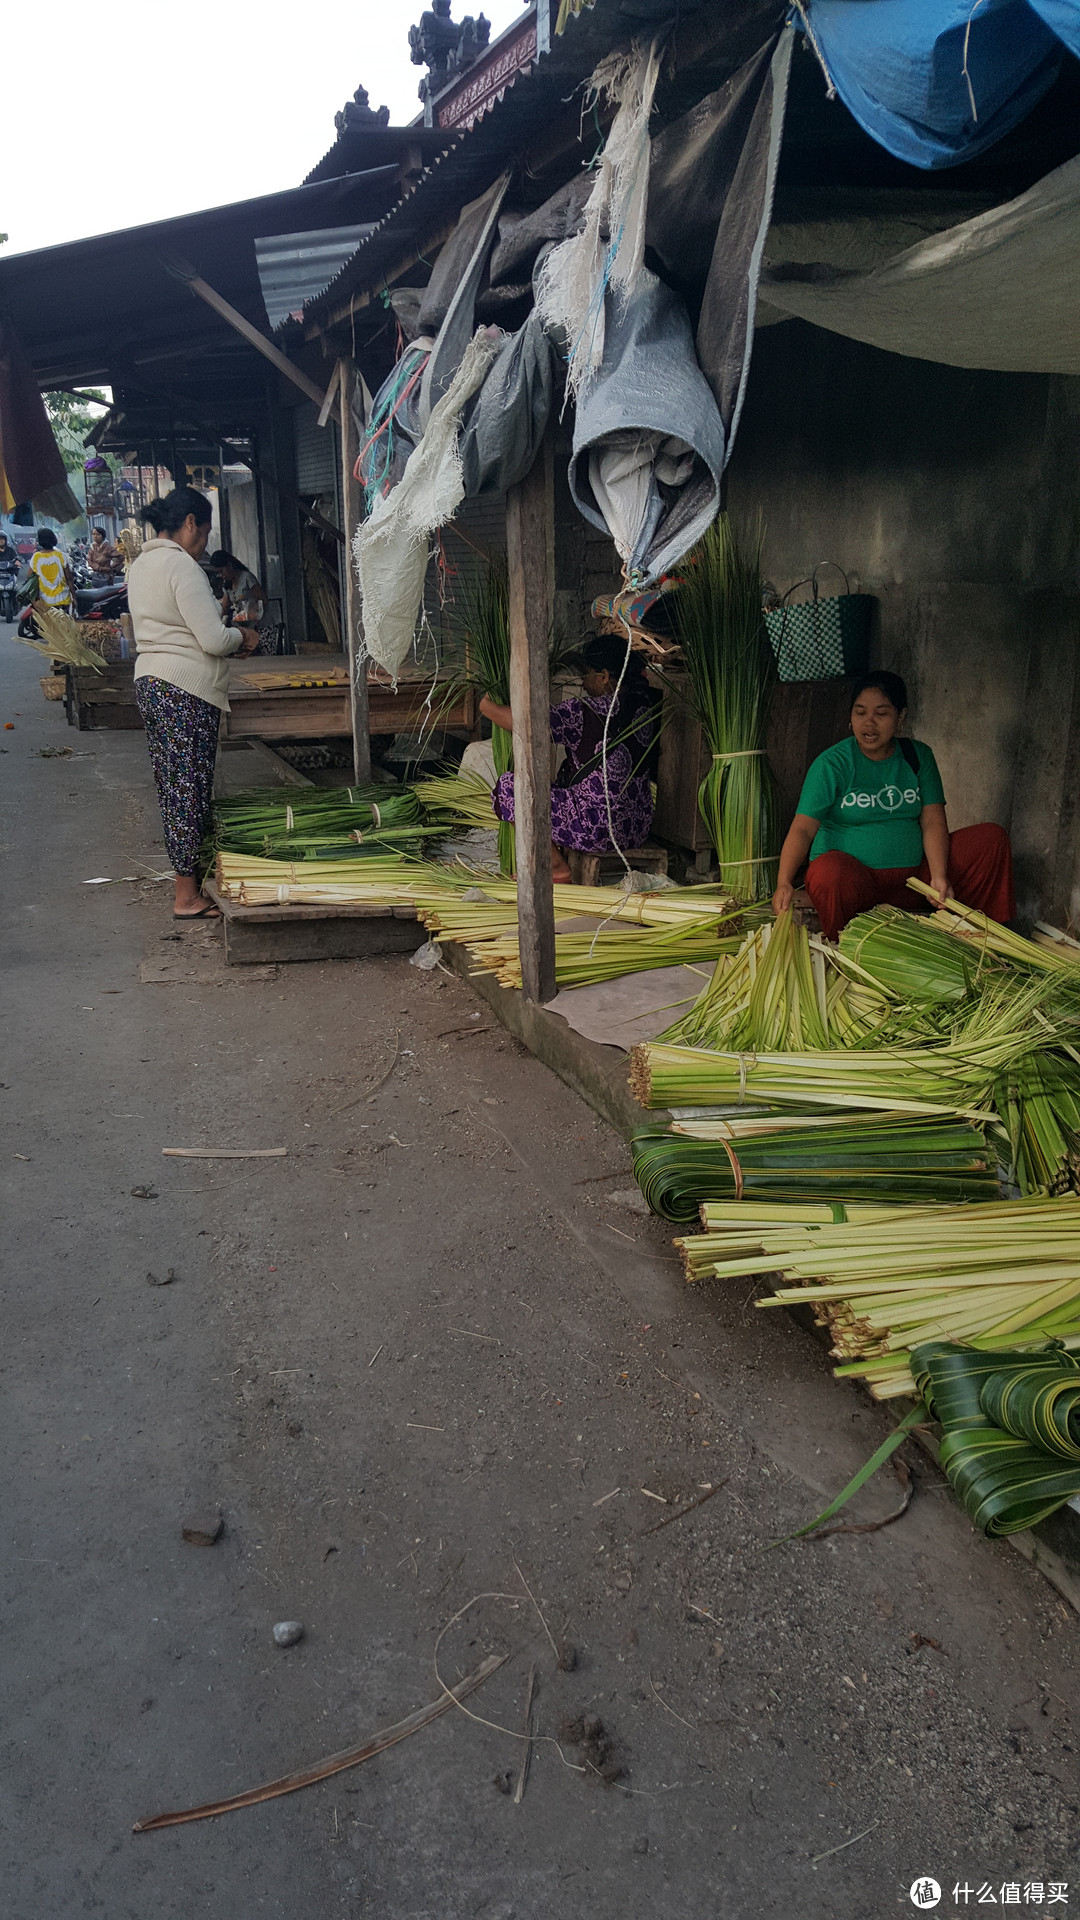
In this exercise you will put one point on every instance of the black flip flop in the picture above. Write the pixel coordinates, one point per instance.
(208, 912)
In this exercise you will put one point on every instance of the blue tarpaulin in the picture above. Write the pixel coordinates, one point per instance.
(936, 82)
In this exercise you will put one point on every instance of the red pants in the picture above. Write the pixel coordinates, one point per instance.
(980, 874)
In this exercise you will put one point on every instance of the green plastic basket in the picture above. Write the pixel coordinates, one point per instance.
(824, 638)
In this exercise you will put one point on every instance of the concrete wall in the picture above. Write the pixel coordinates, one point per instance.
(954, 497)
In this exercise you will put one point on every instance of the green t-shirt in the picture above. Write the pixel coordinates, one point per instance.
(870, 808)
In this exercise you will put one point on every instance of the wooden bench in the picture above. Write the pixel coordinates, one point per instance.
(586, 868)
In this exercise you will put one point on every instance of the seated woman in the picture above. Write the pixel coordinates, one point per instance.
(579, 810)
(102, 559)
(872, 814)
(242, 598)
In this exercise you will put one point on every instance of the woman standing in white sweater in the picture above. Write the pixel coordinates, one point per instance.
(182, 677)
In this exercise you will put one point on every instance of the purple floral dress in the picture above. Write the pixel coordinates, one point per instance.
(578, 811)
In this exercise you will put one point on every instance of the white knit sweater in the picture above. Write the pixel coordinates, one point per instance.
(179, 632)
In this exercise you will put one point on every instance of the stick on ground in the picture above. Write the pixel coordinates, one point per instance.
(526, 1754)
(337, 1762)
(223, 1153)
(690, 1507)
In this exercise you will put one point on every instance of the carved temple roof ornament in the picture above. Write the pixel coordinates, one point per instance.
(445, 47)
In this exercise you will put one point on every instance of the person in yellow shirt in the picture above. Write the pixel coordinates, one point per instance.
(48, 566)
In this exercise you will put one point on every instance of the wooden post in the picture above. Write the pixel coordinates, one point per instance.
(530, 553)
(351, 513)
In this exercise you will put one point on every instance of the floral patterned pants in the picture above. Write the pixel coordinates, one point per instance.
(182, 734)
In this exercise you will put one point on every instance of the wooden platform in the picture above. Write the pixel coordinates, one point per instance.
(320, 709)
(263, 935)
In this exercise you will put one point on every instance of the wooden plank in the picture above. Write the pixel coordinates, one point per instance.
(352, 505)
(339, 937)
(301, 717)
(530, 552)
(109, 718)
(682, 767)
(330, 395)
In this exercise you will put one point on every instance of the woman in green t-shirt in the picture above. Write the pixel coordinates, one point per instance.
(872, 813)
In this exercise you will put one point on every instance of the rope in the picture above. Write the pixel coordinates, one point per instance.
(607, 786)
(735, 1168)
(743, 753)
(965, 69)
(604, 745)
(800, 8)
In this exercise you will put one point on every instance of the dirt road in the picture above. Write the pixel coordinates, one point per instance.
(426, 1357)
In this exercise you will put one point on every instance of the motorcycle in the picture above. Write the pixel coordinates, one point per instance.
(91, 603)
(8, 606)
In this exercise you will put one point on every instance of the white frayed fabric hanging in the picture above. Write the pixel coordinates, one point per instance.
(391, 546)
(610, 248)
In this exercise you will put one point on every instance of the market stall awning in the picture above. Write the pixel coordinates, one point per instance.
(1000, 291)
(105, 307)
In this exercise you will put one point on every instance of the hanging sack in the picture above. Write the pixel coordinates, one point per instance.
(824, 638)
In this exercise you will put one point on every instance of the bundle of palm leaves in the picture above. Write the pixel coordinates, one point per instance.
(1004, 1274)
(450, 800)
(721, 632)
(782, 989)
(483, 628)
(886, 1159)
(385, 880)
(909, 957)
(295, 821)
(608, 953)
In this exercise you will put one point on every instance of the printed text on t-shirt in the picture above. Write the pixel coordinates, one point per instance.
(887, 800)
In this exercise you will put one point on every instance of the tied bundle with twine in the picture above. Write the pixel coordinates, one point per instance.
(718, 622)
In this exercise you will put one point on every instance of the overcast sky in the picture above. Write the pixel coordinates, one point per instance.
(157, 112)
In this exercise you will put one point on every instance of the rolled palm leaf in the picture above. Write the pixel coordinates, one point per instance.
(905, 1160)
(1010, 1422)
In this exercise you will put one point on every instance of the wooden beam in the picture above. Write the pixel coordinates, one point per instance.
(254, 338)
(330, 396)
(352, 513)
(530, 553)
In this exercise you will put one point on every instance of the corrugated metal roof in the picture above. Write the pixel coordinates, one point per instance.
(295, 267)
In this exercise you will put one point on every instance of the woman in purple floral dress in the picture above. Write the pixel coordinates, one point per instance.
(579, 813)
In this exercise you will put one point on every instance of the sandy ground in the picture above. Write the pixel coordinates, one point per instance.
(424, 1358)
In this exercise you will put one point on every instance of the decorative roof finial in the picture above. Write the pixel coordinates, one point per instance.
(445, 47)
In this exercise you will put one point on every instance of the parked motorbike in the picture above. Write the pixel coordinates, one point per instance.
(91, 603)
(8, 605)
(101, 603)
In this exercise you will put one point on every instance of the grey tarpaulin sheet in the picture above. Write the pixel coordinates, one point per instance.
(723, 155)
(649, 382)
(625, 1012)
(505, 424)
(475, 231)
(1001, 291)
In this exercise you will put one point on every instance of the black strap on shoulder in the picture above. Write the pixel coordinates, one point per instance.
(907, 748)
